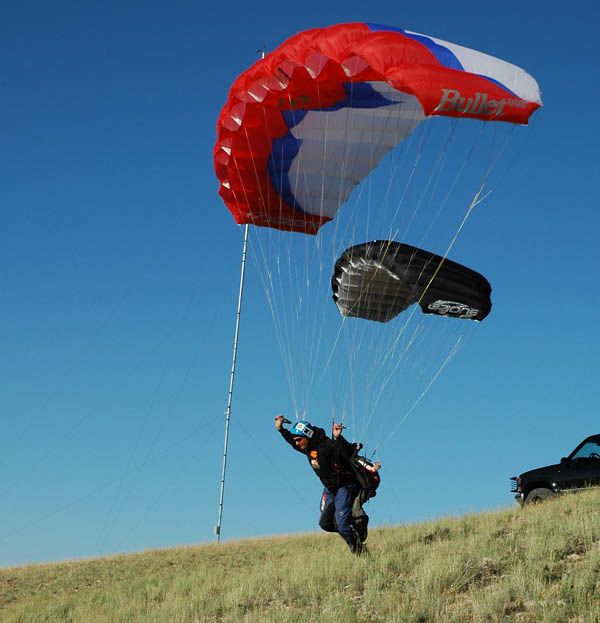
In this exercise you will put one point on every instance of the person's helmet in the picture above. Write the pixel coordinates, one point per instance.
(302, 429)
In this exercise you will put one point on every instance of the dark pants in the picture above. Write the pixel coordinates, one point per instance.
(336, 513)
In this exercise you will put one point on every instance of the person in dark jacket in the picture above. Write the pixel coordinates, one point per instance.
(329, 458)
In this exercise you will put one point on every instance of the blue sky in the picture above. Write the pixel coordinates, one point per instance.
(119, 268)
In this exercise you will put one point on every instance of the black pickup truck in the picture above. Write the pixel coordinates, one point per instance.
(580, 470)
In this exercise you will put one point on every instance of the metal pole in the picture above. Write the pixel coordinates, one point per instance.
(228, 411)
(235, 341)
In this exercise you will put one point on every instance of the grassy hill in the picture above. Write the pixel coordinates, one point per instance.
(535, 564)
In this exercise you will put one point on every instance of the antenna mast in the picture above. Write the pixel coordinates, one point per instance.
(230, 395)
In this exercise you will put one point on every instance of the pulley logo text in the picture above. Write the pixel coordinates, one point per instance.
(452, 101)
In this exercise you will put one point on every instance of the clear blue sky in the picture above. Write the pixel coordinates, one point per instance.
(119, 267)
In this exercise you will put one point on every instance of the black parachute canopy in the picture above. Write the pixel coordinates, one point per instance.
(377, 280)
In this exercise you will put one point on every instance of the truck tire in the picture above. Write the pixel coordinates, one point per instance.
(538, 495)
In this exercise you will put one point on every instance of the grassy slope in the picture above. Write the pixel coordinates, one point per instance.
(537, 564)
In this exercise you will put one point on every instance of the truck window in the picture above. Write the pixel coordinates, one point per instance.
(589, 449)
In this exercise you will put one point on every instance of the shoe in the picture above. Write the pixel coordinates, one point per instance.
(360, 527)
(360, 549)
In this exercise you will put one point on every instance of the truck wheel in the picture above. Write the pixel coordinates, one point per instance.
(538, 495)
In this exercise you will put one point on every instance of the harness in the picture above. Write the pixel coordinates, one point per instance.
(368, 478)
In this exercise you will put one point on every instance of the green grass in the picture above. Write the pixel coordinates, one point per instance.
(541, 564)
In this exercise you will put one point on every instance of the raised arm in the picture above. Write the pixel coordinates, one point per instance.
(343, 447)
(285, 433)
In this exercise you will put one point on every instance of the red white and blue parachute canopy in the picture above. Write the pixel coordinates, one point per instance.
(303, 126)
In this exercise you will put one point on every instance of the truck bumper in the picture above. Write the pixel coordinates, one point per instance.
(520, 498)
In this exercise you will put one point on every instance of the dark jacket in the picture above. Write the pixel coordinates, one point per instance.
(328, 457)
